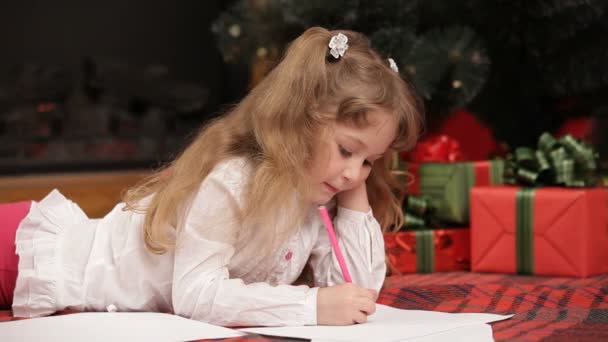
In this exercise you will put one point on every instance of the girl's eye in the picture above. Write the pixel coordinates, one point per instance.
(347, 154)
(344, 152)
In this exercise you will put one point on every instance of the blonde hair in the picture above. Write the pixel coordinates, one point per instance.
(275, 127)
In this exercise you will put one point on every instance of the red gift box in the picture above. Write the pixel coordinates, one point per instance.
(428, 250)
(543, 231)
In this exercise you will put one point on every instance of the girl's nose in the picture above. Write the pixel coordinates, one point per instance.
(351, 171)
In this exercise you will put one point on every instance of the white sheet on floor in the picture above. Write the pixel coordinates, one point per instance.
(469, 333)
(390, 324)
(111, 326)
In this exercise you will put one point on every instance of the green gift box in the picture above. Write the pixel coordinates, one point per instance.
(447, 185)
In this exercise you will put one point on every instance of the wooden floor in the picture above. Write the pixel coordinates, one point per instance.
(95, 192)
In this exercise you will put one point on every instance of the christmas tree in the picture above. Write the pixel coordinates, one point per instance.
(520, 66)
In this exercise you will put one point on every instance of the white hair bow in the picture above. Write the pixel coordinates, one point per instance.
(393, 65)
(338, 45)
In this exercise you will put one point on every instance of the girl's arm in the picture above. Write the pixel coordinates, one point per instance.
(202, 288)
(361, 241)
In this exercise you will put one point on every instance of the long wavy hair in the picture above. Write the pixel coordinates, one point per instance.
(276, 126)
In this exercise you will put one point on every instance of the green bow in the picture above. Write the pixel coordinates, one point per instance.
(418, 212)
(565, 162)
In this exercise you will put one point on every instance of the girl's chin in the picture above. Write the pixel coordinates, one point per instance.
(322, 200)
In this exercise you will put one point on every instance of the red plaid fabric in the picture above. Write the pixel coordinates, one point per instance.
(546, 309)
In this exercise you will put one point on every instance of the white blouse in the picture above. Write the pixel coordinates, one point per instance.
(69, 261)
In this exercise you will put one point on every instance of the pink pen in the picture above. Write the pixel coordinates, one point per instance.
(334, 242)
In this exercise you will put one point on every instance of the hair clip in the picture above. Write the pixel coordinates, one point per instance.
(338, 45)
(393, 65)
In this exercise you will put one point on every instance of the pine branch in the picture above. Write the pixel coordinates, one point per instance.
(448, 66)
(547, 33)
(336, 14)
(385, 14)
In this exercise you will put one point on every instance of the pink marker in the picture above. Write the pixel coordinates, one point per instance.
(334, 242)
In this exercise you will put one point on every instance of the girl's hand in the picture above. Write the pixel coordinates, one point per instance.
(345, 304)
(354, 199)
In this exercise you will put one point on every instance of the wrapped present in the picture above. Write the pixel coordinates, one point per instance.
(435, 149)
(435, 169)
(428, 250)
(448, 185)
(439, 173)
(543, 231)
(541, 228)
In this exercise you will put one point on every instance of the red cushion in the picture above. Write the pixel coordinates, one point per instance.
(11, 215)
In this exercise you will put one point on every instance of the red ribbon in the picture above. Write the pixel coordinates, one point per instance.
(440, 148)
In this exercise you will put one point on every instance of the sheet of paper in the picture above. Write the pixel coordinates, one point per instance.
(114, 326)
(387, 324)
(469, 333)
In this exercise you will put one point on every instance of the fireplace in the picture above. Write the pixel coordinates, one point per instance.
(106, 114)
(115, 85)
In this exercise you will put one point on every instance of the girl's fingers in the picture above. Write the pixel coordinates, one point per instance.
(360, 317)
(367, 306)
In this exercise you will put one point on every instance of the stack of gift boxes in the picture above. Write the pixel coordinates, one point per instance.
(539, 211)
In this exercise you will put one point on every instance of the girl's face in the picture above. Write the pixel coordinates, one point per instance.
(344, 157)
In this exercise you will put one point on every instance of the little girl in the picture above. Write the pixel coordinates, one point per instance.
(222, 232)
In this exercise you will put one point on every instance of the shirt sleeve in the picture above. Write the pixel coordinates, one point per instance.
(362, 244)
(202, 288)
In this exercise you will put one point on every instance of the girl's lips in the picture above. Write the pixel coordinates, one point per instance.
(329, 187)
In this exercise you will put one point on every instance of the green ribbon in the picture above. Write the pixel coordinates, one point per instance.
(497, 171)
(425, 251)
(419, 214)
(417, 211)
(524, 234)
(564, 162)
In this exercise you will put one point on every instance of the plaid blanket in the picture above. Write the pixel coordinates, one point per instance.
(546, 309)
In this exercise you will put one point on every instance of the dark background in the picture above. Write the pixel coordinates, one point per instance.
(38, 38)
(125, 84)
(140, 32)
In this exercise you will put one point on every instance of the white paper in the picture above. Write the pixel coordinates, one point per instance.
(115, 326)
(387, 324)
(469, 333)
